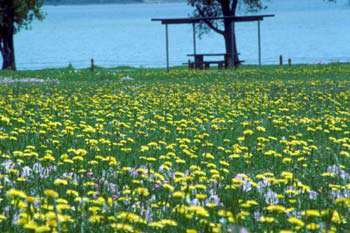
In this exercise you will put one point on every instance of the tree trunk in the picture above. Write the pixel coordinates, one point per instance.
(231, 45)
(7, 48)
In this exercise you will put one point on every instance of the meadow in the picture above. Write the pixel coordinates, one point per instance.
(252, 150)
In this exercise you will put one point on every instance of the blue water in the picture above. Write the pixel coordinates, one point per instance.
(308, 31)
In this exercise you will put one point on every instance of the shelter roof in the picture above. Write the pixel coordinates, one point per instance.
(195, 20)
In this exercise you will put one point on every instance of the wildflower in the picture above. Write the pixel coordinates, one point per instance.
(312, 213)
(60, 182)
(198, 210)
(344, 154)
(201, 196)
(14, 193)
(261, 129)
(72, 192)
(336, 218)
(276, 208)
(123, 227)
(179, 194)
(51, 193)
(248, 132)
(267, 219)
(313, 195)
(95, 218)
(143, 192)
(313, 226)
(31, 225)
(271, 198)
(168, 187)
(26, 172)
(191, 231)
(2, 218)
(296, 221)
(42, 229)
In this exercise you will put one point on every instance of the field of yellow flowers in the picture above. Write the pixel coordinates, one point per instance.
(253, 150)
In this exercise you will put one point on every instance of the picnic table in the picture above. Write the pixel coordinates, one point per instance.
(201, 63)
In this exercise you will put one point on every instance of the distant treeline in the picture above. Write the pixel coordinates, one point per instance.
(59, 2)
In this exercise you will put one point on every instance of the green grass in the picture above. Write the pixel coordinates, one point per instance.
(266, 149)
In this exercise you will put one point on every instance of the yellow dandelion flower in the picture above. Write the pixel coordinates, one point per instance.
(267, 219)
(336, 218)
(191, 231)
(179, 194)
(42, 229)
(2, 218)
(51, 193)
(14, 193)
(313, 226)
(296, 221)
(311, 213)
(60, 182)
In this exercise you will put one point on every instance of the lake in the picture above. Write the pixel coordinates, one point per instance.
(308, 31)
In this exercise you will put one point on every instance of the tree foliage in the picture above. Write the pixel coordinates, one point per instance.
(226, 27)
(77, 2)
(14, 15)
(219, 8)
(20, 13)
(224, 8)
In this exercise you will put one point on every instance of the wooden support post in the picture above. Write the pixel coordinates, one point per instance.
(281, 60)
(92, 67)
(259, 42)
(167, 47)
(290, 62)
(194, 40)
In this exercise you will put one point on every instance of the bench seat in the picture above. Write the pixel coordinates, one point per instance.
(206, 64)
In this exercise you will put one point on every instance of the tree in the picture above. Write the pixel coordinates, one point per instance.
(15, 15)
(223, 8)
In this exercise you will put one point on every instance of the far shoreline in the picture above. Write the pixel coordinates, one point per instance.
(115, 3)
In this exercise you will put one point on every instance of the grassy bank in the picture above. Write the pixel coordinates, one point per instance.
(263, 149)
(332, 71)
